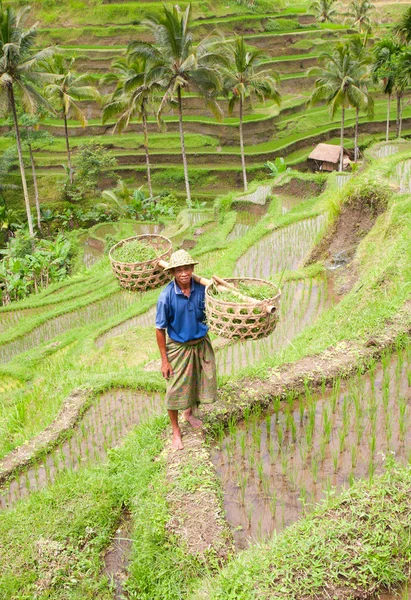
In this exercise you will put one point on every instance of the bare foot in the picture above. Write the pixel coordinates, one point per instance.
(194, 422)
(176, 441)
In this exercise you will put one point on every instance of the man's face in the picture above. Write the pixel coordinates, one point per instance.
(182, 275)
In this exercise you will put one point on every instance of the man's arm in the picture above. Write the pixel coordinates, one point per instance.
(166, 368)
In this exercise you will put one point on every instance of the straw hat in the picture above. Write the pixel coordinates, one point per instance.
(179, 259)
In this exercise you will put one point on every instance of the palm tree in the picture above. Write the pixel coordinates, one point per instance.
(65, 91)
(175, 62)
(358, 51)
(31, 136)
(384, 71)
(130, 98)
(325, 10)
(403, 78)
(337, 84)
(403, 30)
(242, 80)
(19, 75)
(359, 12)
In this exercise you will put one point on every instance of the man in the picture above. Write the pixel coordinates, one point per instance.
(187, 357)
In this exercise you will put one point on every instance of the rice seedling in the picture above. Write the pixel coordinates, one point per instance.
(256, 435)
(301, 408)
(242, 445)
(402, 407)
(314, 467)
(243, 487)
(354, 455)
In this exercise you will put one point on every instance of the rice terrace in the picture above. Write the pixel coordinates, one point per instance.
(268, 143)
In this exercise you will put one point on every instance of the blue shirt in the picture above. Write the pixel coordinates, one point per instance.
(182, 316)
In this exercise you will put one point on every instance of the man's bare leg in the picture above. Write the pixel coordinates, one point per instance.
(176, 441)
(194, 422)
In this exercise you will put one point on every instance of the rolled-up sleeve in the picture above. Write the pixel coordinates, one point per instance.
(161, 315)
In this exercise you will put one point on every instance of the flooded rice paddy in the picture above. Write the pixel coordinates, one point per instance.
(97, 311)
(273, 467)
(284, 248)
(341, 180)
(110, 417)
(260, 195)
(403, 176)
(386, 150)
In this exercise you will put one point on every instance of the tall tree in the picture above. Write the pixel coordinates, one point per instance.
(359, 13)
(67, 89)
(403, 78)
(32, 137)
(179, 65)
(325, 10)
(131, 98)
(20, 76)
(242, 79)
(403, 30)
(337, 84)
(365, 102)
(385, 72)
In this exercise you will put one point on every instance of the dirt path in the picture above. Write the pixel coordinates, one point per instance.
(197, 516)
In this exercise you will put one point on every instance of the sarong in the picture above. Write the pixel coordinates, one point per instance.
(194, 377)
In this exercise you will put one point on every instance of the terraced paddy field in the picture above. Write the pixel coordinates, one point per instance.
(293, 447)
(288, 35)
(298, 485)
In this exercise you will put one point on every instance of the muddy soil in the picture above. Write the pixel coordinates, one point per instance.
(273, 468)
(296, 188)
(117, 556)
(355, 221)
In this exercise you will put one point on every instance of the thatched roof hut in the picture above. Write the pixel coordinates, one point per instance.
(326, 157)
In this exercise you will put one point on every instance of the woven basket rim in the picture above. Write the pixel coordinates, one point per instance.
(255, 304)
(136, 237)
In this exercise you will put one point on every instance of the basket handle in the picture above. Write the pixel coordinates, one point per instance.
(221, 285)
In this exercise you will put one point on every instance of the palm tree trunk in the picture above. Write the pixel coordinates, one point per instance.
(342, 139)
(357, 113)
(183, 149)
(68, 149)
(21, 163)
(397, 118)
(387, 134)
(242, 146)
(144, 115)
(401, 110)
(36, 189)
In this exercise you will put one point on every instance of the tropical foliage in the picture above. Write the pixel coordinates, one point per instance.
(325, 10)
(20, 76)
(131, 98)
(339, 84)
(26, 269)
(65, 92)
(179, 65)
(242, 79)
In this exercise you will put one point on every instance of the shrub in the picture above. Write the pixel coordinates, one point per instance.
(281, 25)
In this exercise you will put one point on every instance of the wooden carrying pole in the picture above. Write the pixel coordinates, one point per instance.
(223, 285)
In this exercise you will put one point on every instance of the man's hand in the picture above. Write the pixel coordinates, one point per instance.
(166, 369)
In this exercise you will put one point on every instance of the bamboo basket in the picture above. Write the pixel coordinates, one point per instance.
(243, 320)
(146, 275)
